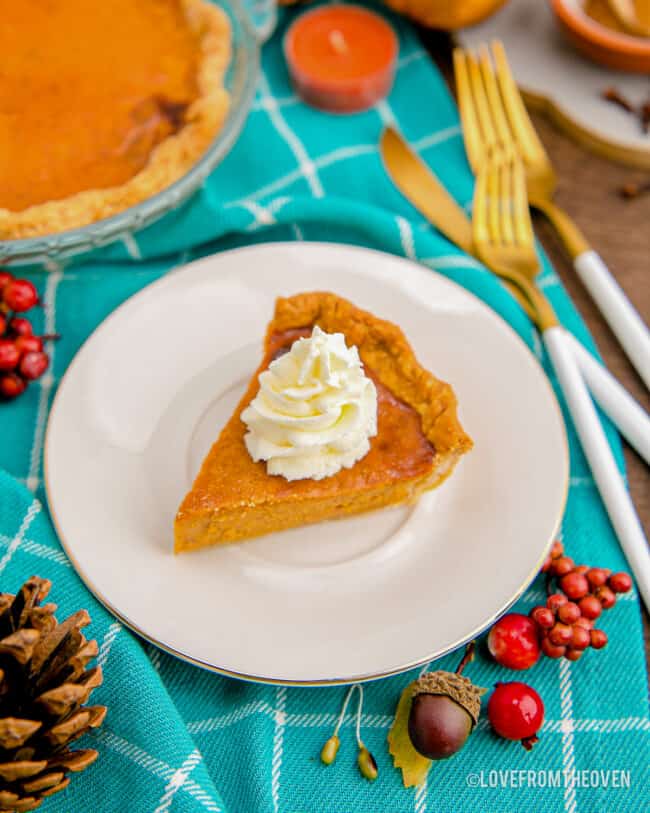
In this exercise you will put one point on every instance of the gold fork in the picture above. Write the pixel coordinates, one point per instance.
(503, 239)
(495, 119)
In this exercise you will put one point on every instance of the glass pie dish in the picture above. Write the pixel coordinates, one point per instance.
(240, 81)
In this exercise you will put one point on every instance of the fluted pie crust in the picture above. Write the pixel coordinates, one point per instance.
(190, 61)
(418, 443)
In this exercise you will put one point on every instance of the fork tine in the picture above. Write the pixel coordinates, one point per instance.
(494, 202)
(482, 106)
(521, 213)
(471, 128)
(504, 134)
(527, 139)
(479, 210)
(506, 205)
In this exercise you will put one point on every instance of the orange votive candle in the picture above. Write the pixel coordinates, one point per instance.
(341, 57)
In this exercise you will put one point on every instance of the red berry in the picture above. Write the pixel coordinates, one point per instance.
(543, 617)
(33, 365)
(575, 585)
(573, 654)
(11, 385)
(552, 651)
(585, 623)
(598, 639)
(21, 326)
(579, 637)
(557, 549)
(563, 565)
(3, 324)
(555, 601)
(5, 278)
(28, 344)
(568, 613)
(560, 634)
(590, 607)
(606, 597)
(20, 295)
(516, 712)
(9, 354)
(596, 576)
(620, 582)
(581, 569)
(514, 641)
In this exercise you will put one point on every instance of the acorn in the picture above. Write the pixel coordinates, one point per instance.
(435, 716)
(444, 711)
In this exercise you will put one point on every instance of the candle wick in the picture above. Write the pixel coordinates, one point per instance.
(338, 41)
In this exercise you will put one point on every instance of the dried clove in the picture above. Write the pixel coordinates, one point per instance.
(611, 94)
(644, 113)
(629, 191)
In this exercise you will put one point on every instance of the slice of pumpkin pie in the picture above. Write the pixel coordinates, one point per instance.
(338, 419)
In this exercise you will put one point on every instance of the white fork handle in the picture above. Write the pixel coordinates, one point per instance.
(631, 419)
(617, 309)
(601, 460)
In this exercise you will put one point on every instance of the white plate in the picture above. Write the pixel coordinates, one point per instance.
(563, 82)
(337, 602)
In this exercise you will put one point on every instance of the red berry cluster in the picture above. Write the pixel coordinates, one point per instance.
(22, 358)
(567, 620)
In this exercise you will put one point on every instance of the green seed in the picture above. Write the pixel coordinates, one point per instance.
(366, 763)
(330, 750)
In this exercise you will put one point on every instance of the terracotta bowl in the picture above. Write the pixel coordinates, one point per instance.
(598, 42)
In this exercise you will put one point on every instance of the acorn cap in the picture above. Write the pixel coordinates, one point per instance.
(459, 688)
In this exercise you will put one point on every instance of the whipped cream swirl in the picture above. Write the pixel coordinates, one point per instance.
(315, 411)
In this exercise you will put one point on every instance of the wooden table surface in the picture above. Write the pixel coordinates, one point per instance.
(619, 230)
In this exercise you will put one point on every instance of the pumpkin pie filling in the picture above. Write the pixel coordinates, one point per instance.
(417, 444)
(103, 105)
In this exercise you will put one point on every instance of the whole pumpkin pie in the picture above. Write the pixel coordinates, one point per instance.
(414, 442)
(102, 105)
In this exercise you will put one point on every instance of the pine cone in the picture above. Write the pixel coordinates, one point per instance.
(43, 684)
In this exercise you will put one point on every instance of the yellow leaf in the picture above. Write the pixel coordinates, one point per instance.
(414, 766)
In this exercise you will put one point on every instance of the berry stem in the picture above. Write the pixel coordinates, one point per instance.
(358, 717)
(468, 657)
(345, 706)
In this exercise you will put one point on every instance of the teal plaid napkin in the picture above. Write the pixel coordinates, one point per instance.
(183, 740)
